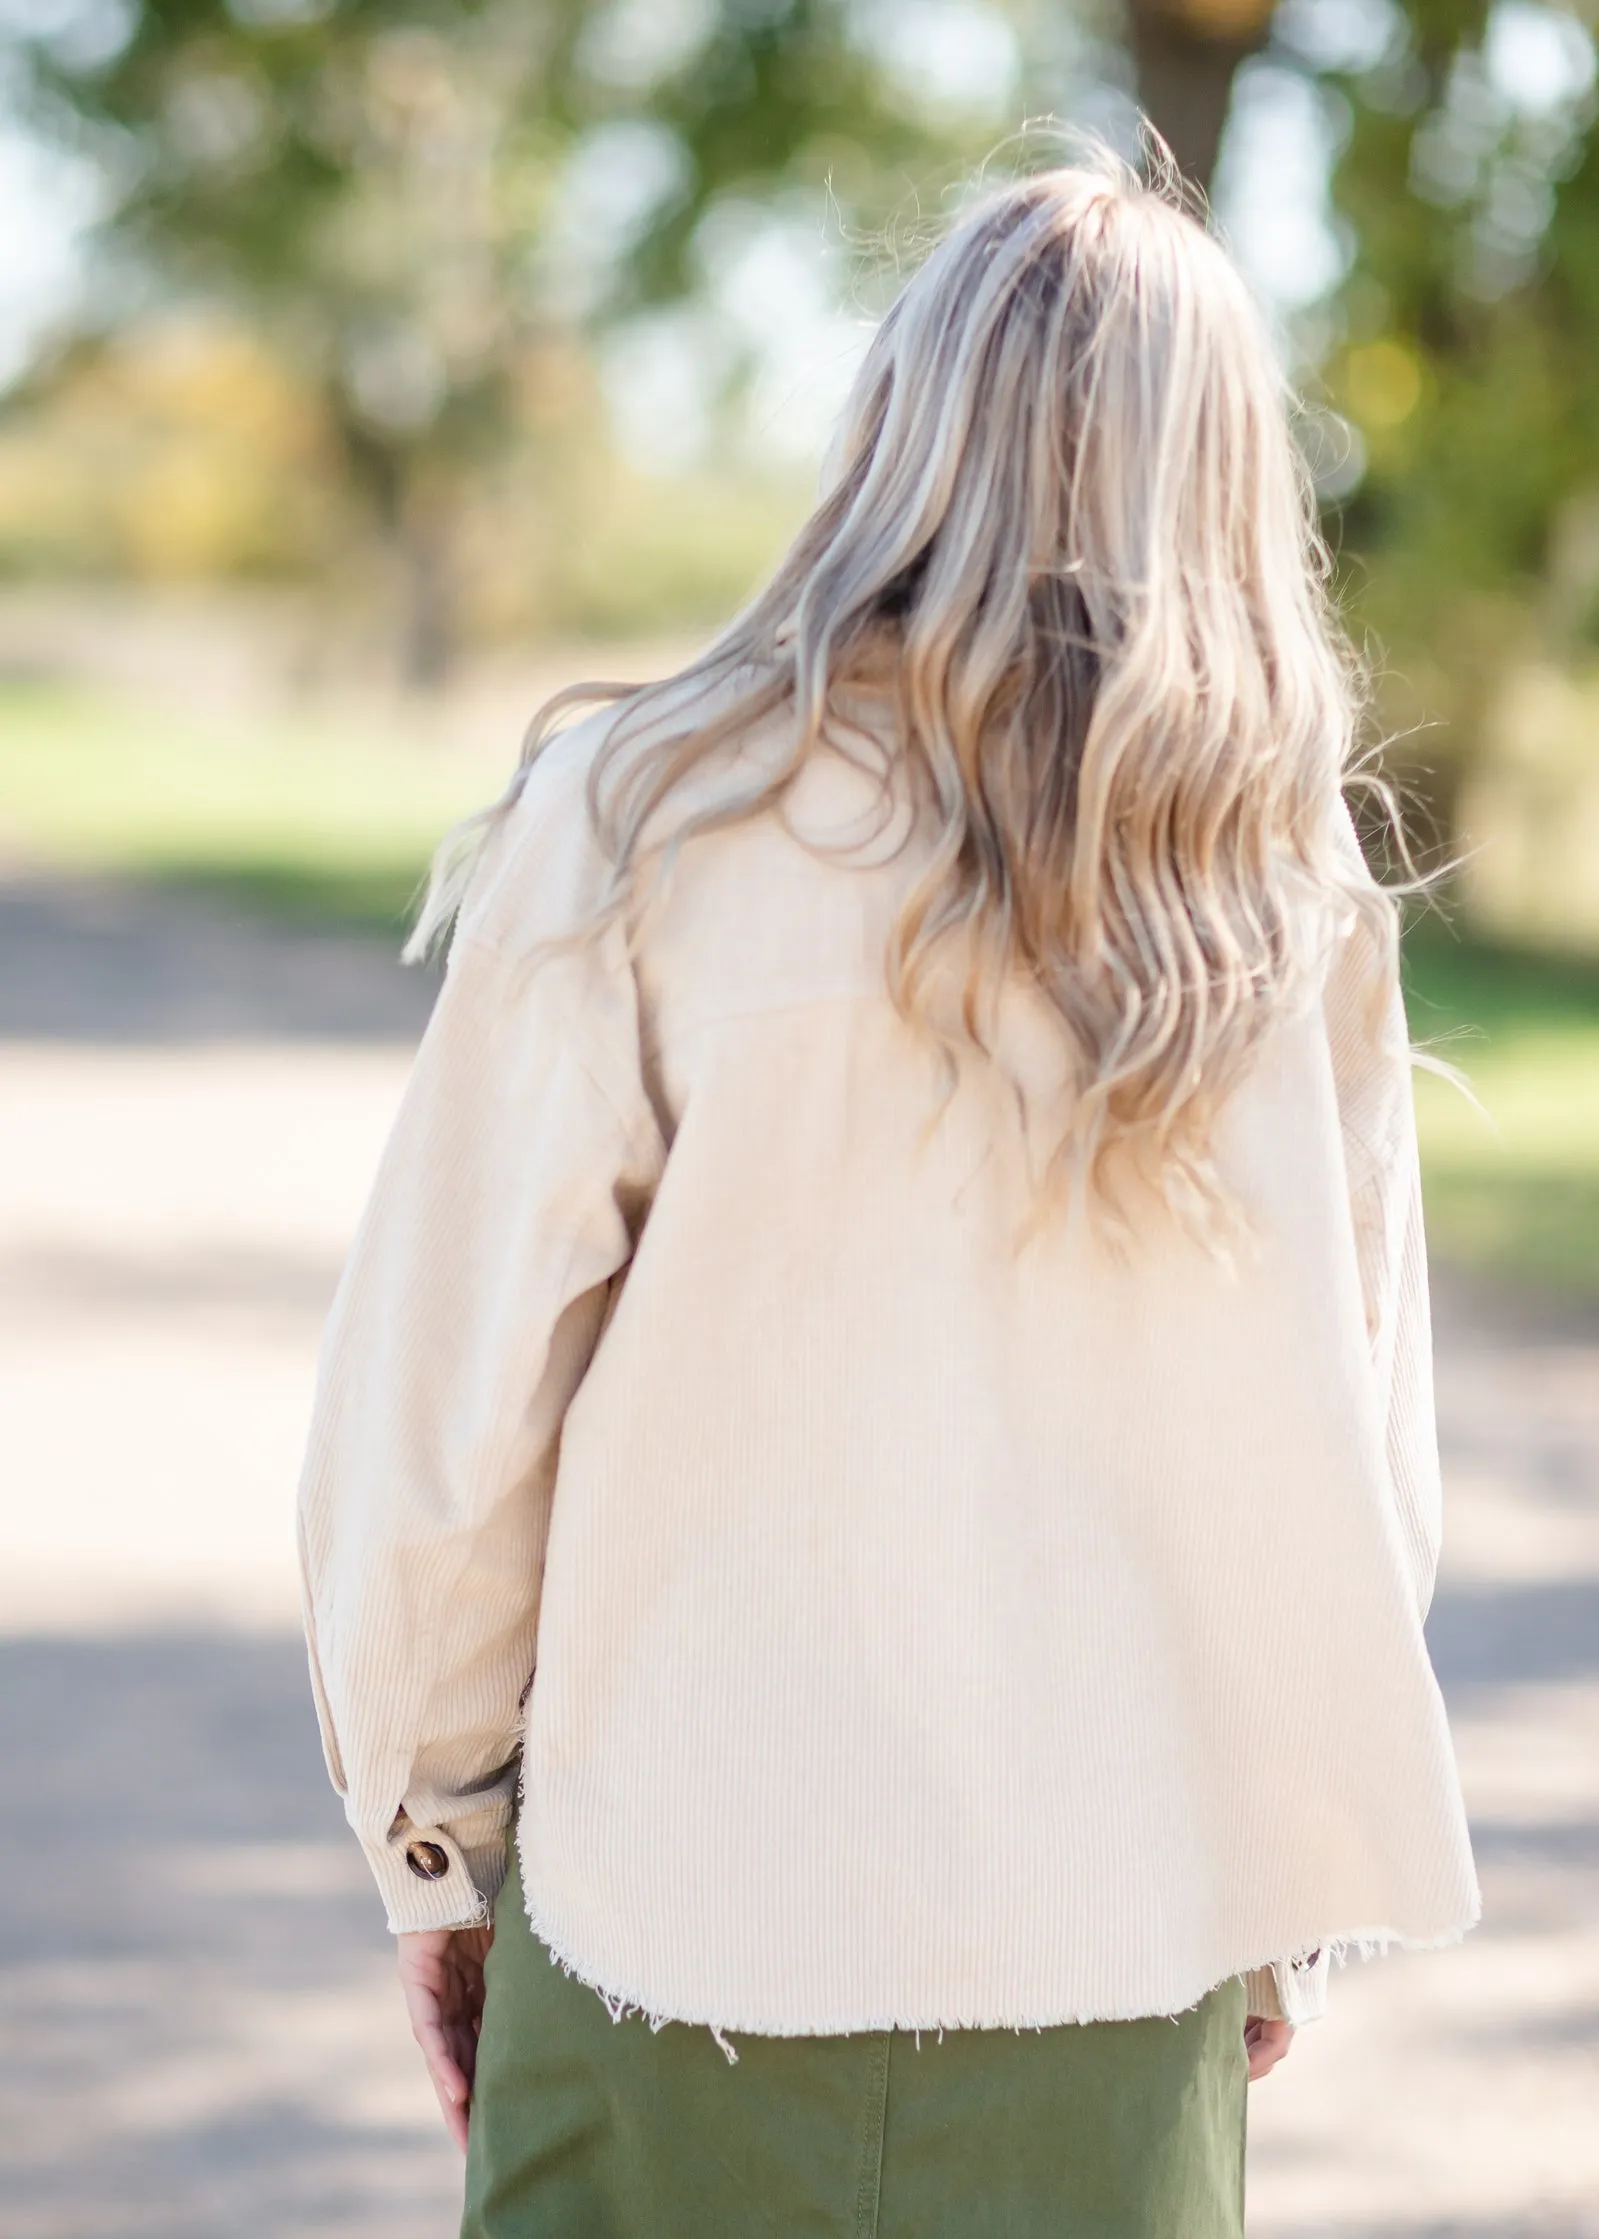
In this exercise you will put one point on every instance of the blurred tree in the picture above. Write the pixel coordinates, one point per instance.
(177, 450)
(411, 200)
(1465, 353)
(368, 181)
(359, 182)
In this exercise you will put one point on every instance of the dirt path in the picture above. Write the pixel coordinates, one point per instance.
(206, 2042)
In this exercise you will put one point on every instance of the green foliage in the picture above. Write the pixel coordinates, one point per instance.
(178, 451)
(769, 99)
(358, 183)
(415, 207)
(652, 555)
(1468, 358)
(361, 179)
(376, 191)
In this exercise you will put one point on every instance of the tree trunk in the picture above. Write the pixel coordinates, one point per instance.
(429, 640)
(413, 507)
(1186, 52)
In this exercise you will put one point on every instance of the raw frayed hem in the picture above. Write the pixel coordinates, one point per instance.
(621, 2005)
(1377, 1943)
(1362, 1944)
(621, 2008)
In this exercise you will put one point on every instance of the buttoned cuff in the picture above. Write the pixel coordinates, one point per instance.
(1291, 1989)
(428, 1879)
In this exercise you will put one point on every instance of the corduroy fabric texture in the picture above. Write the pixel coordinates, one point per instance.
(919, 1631)
(587, 2128)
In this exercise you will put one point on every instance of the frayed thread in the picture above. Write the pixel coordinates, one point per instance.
(624, 2009)
(618, 2007)
(1377, 1943)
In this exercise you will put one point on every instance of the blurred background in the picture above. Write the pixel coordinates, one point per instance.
(370, 368)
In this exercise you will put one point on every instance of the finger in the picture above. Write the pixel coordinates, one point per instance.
(1268, 2048)
(461, 2045)
(455, 2113)
(449, 2081)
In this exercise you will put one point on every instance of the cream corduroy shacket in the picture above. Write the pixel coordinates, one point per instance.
(867, 1622)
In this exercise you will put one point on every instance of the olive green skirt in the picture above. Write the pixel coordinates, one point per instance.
(585, 2128)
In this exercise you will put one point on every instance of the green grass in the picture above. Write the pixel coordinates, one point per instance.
(330, 825)
(296, 818)
(1512, 1188)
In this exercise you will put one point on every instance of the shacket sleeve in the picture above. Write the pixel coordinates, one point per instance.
(1371, 1056)
(1369, 1041)
(509, 1196)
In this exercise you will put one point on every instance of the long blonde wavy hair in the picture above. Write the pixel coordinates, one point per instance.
(1065, 528)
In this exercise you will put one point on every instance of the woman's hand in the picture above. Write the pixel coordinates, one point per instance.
(441, 1974)
(1266, 2042)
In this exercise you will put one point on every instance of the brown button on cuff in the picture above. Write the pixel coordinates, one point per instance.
(428, 1861)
